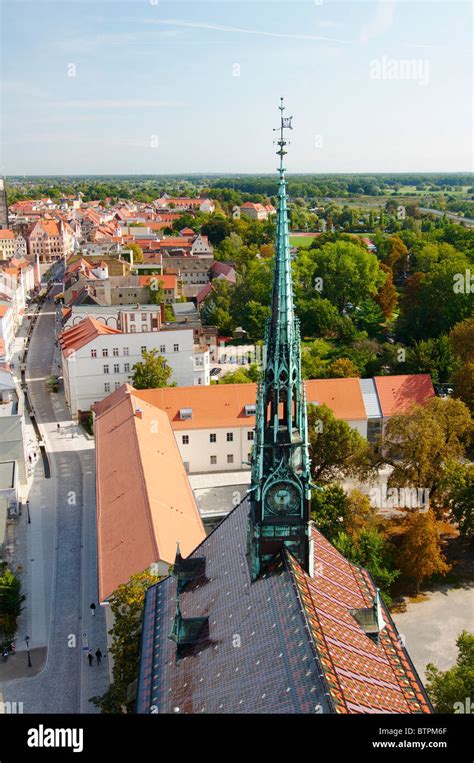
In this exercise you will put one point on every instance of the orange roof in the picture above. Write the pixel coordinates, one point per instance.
(397, 394)
(223, 405)
(167, 281)
(86, 331)
(51, 227)
(145, 504)
(4, 310)
(7, 233)
(343, 396)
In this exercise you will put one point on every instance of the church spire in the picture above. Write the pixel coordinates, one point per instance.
(280, 462)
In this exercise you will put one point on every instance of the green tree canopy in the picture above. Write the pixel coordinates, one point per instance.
(153, 372)
(451, 690)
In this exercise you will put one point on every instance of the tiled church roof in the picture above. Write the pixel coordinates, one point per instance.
(286, 643)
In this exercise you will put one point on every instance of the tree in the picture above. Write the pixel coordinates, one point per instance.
(329, 510)
(431, 356)
(463, 381)
(361, 515)
(11, 600)
(127, 607)
(318, 317)
(396, 257)
(153, 372)
(461, 338)
(450, 690)
(420, 554)
(370, 550)
(458, 493)
(217, 228)
(434, 302)
(418, 444)
(336, 450)
(255, 319)
(244, 375)
(349, 273)
(137, 252)
(369, 317)
(156, 294)
(387, 297)
(342, 368)
(217, 309)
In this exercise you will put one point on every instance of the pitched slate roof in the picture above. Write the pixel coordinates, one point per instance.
(286, 643)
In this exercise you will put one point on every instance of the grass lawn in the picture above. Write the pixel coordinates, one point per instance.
(303, 241)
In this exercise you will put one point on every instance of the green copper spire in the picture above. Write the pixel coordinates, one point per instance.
(280, 490)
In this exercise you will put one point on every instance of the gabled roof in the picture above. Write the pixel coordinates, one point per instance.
(84, 332)
(301, 648)
(145, 504)
(397, 394)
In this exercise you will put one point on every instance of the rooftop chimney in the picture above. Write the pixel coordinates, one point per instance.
(138, 413)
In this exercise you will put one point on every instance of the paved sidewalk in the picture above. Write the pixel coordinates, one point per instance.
(60, 560)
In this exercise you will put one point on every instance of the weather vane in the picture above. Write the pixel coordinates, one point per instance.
(285, 123)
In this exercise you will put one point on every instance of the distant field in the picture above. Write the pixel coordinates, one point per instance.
(303, 241)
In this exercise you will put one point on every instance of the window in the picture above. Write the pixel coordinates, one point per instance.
(185, 413)
(143, 316)
(230, 458)
(93, 353)
(106, 387)
(105, 353)
(230, 437)
(185, 439)
(118, 385)
(199, 380)
(115, 352)
(106, 369)
(116, 368)
(125, 351)
(176, 347)
(143, 349)
(126, 368)
(144, 327)
(133, 329)
(212, 438)
(132, 317)
(250, 435)
(162, 347)
(213, 459)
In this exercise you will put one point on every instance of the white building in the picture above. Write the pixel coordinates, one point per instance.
(12, 440)
(7, 331)
(97, 359)
(214, 426)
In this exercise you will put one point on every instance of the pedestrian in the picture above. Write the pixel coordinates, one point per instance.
(59, 427)
(90, 657)
(98, 656)
(29, 458)
(92, 608)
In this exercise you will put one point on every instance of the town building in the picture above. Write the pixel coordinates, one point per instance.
(144, 502)
(50, 240)
(97, 359)
(7, 244)
(214, 426)
(265, 615)
(257, 211)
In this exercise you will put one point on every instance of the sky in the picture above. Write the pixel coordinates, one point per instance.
(168, 86)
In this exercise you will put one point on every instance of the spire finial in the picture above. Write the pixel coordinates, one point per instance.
(285, 123)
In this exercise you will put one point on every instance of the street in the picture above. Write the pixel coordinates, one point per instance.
(57, 552)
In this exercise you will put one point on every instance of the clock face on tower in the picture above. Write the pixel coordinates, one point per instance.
(282, 499)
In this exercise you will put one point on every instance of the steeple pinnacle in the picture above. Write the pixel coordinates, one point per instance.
(280, 460)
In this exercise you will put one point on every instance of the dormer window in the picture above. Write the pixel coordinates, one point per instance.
(185, 413)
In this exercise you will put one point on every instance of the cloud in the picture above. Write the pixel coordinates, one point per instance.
(240, 30)
(381, 22)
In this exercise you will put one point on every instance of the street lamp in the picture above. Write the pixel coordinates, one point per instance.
(27, 641)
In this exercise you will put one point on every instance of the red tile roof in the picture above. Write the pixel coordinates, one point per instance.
(397, 394)
(145, 504)
(84, 332)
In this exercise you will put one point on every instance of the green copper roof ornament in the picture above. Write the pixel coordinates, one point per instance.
(280, 489)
